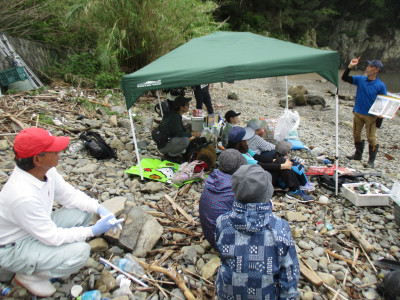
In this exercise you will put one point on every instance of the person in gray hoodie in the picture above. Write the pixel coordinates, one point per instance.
(258, 256)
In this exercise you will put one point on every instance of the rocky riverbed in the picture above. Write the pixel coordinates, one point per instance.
(183, 265)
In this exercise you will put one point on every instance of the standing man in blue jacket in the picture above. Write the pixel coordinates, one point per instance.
(368, 87)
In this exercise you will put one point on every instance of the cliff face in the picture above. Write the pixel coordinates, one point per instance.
(351, 39)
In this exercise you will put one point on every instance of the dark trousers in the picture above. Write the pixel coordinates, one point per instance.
(288, 177)
(203, 96)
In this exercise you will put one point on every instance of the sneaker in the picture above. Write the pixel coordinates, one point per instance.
(36, 285)
(309, 186)
(300, 196)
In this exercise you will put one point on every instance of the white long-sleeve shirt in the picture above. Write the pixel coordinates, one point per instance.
(26, 205)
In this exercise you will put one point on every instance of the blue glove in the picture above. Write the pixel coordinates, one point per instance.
(105, 224)
(102, 211)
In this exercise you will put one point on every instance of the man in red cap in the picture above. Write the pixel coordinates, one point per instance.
(36, 243)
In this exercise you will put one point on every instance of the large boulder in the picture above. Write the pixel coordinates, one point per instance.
(139, 234)
(316, 100)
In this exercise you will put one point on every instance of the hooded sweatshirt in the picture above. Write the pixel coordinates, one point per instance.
(258, 257)
(217, 198)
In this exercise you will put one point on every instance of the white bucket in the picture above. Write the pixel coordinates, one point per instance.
(197, 124)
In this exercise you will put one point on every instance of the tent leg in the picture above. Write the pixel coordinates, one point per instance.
(287, 98)
(337, 142)
(135, 143)
(159, 103)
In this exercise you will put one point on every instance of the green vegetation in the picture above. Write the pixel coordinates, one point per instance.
(98, 41)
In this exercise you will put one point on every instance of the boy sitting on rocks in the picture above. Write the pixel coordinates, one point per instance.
(231, 118)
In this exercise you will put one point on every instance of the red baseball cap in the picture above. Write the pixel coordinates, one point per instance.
(33, 141)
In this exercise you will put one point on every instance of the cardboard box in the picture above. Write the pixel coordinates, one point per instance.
(365, 199)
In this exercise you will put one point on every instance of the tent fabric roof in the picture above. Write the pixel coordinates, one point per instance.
(228, 56)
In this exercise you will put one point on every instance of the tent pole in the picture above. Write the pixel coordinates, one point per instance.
(159, 103)
(337, 143)
(135, 143)
(287, 99)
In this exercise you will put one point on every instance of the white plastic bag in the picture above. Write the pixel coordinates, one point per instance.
(289, 121)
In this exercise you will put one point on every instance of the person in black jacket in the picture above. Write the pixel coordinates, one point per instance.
(280, 168)
(171, 127)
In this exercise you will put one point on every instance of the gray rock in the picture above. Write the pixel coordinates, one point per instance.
(176, 294)
(152, 187)
(232, 96)
(307, 296)
(4, 145)
(124, 123)
(148, 123)
(304, 245)
(316, 100)
(118, 109)
(113, 121)
(117, 144)
(323, 264)
(190, 255)
(90, 168)
(211, 267)
(328, 279)
(98, 245)
(116, 205)
(318, 251)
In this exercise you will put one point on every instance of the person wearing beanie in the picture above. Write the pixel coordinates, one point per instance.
(217, 196)
(37, 243)
(231, 119)
(258, 144)
(171, 137)
(280, 168)
(368, 88)
(258, 256)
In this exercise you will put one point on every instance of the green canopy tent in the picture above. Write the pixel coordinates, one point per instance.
(228, 56)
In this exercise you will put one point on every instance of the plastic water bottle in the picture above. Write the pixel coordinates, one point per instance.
(5, 290)
(326, 161)
(129, 264)
(90, 295)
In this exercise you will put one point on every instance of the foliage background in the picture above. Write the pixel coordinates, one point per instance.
(100, 40)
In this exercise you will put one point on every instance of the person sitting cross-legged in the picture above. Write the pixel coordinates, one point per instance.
(258, 256)
(217, 197)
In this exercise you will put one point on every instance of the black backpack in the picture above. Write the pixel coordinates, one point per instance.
(96, 146)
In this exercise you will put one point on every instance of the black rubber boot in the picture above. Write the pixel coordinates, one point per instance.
(373, 150)
(359, 151)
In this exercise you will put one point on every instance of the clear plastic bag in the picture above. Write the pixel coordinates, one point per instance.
(289, 121)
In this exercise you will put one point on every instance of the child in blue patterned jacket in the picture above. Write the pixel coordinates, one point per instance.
(258, 256)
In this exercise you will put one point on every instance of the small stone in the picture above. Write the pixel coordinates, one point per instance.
(328, 279)
(211, 268)
(323, 263)
(307, 296)
(319, 251)
(98, 245)
(304, 245)
(293, 216)
(3, 145)
(323, 200)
